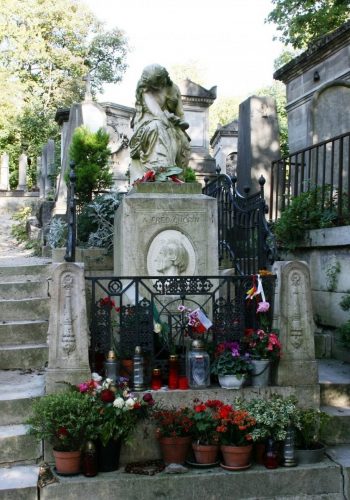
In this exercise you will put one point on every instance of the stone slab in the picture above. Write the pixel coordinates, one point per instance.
(19, 483)
(318, 481)
(327, 309)
(24, 290)
(26, 356)
(29, 309)
(145, 224)
(167, 187)
(337, 429)
(23, 332)
(328, 237)
(17, 446)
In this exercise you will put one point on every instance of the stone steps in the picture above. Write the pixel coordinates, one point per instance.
(18, 390)
(25, 309)
(26, 356)
(23, 289)
(337, 430)
(19, 483)
(23, 332)
(16, 446)
(21, 273)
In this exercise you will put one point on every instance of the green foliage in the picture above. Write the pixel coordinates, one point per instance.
(300, 23)
(50, 46)
(344, 330)
(89, 151)
(272, 416)
(96, 221)
(285, 57)
(332, 274)
(65, 419)
(189, 175)
(226, 364)
(58, 232)
(312, 423)
(305, 212)
(19, 230)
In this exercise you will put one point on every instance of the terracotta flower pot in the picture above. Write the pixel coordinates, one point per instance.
(205, 453)
(236, 456)
(67, 462)
(175, 449)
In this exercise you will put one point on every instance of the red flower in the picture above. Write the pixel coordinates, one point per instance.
(200, 408)
(107, 396)
(62, 432)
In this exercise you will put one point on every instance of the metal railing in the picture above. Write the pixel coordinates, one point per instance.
(130, 311)
(244, 238)
(325, 165)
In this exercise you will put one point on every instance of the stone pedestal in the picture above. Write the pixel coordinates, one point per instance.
(4, 172)
(166, 229)
(22, 172)
(293, 317)
(68, 331)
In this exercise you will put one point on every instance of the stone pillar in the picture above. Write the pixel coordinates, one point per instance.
(22, 172)
(50, 166)
(166, 229)
(44, 169)
(258, 142)
(293, 317)
(4, 173)
(68, 331)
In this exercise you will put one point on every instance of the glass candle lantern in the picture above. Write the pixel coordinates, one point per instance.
(139, 370)
(89, 459)
(110, 366)
(156, 382)
(173, 379)
(270, 459)
(198, 366)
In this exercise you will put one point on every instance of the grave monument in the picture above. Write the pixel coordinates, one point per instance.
(163, 227)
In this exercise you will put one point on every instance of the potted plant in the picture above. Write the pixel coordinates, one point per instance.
(66, 420)
(205, 436)
(263, 348)
(272, 416)
(234, 427)
(174, 427)
(119, 411)
(230, 366)
(312, 424)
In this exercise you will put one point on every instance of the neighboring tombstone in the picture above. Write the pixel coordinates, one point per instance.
(50, 166)
(4, 173)
(196, 102)
(258, 142)
(39, 180)
(293, 317)
(225, 146)
(68, 331)
(44, 169)
(22, 172)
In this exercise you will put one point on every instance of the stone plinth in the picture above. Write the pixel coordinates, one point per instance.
(293, 316)
(166, 229)
(68, 331)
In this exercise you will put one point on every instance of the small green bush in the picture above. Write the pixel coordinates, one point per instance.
(90, 152)
(344, 330)
(305, 212)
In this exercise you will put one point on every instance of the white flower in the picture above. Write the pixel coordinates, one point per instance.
(130, 403)
(106, 384)
(96, 377)
(126, 394)
(157, 328)
(118, 402)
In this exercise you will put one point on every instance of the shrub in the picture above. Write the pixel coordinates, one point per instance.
(89, 151)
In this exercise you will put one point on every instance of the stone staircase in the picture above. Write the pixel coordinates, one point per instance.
(24, 314)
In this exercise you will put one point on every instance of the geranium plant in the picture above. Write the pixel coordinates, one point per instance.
(262, 345)
(118, 408)
(234, 426)
(172, 422)
(204, 429)
(228, 360)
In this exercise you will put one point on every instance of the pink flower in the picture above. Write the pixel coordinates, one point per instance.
(83, 387)
(263, 307)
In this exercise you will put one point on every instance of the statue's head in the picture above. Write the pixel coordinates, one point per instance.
(154, 77)
(172, 254)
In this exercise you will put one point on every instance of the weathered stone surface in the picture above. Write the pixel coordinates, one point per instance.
(22, 172)
(145, 222)
(4, 172)
(68, 331)
(13, 357)
(293, 317)
(16, 445)
(337, 429)
(258, 142)
(19, 483)
(311, 482)
(30, 309)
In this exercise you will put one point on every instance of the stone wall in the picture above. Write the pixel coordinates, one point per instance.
(327, 253)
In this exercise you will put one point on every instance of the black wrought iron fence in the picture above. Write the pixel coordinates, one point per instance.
(244, 238)
(325, 165)
(130, 311)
